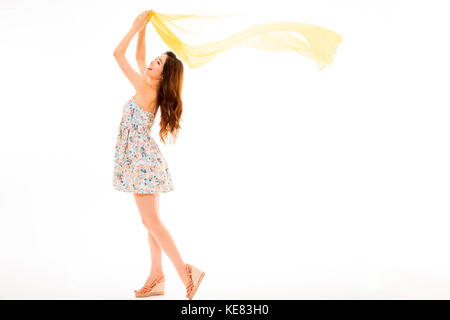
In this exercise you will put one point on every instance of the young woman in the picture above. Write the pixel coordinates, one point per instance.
(139, 165)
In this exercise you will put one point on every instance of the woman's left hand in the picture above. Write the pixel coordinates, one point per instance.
(141, 21)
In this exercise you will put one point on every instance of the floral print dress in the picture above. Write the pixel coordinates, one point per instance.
(139, 165)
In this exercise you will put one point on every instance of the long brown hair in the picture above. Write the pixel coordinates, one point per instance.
(169, 97)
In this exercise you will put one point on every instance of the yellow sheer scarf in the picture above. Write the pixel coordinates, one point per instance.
(317, 43)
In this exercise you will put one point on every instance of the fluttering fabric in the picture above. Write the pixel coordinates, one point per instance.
(311, 41)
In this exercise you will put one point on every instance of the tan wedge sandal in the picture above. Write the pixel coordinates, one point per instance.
(195, 277)
(154, 289)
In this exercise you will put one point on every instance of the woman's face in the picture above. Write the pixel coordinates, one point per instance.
(156, 66)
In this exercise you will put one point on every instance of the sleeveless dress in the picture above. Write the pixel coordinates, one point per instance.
(139, 165)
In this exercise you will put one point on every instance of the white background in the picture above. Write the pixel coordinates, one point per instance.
(290, 183)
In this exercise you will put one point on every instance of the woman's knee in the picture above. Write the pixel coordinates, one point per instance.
(151, 222)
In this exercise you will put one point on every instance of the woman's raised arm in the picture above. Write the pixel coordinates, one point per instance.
(140, 49)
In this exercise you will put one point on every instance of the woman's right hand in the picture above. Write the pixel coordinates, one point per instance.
(149, 12)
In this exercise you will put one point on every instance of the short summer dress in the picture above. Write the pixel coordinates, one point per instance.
(139, 165)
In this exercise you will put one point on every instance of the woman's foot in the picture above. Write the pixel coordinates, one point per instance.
(154, 276)
(193, 278)
(183, 274)
(154, 285)
(187, 279)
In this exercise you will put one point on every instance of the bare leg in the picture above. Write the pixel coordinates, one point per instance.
(155, 251)
(148, 205)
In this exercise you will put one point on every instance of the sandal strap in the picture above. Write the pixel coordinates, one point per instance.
(190, 285)
(148, 287)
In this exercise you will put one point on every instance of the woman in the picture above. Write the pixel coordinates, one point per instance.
(139, 165)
